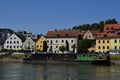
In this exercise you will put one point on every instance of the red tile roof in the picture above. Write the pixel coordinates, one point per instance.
(62, 33)
(112, 26)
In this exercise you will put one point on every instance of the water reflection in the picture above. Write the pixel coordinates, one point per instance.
(23, 71)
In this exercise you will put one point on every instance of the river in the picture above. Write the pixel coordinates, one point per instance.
(37, 71)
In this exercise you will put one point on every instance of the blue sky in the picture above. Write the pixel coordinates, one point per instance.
(40, 16)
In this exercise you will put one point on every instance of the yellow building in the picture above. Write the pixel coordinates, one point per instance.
(102, 44)
(115, 44)
(39, 43)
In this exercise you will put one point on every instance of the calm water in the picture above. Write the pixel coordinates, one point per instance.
(27, 71)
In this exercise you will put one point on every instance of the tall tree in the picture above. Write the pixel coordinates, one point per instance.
(67, 45)
(45, 46)
(85, 44)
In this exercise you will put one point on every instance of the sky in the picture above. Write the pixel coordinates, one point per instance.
(41, 16)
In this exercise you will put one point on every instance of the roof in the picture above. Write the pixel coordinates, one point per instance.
(114, 26)
(62, 34)
(21, 37)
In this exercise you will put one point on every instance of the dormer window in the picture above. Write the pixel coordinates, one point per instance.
(57, 35)
(66, 35)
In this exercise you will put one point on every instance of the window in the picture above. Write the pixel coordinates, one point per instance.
(107, 47)
(7, 42)
(7, 46)
(115, 47)
(14, 37)
(103, 47)
(51, 42)
(107, 41)
(14, 46)
(14, 42)
(10, 47)
(71, 41)
(99, 41)
(47, 41)
(56, 46)
(10, 42)
(56, 41)
(103, 41)
(71, 46)
(89, 36)
(62, 41)
(17, 46)
(17, 42)
(98, 47)
(115, 41)
(11, 38)
(37, 46)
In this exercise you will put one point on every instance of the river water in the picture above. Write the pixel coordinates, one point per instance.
(37, 71)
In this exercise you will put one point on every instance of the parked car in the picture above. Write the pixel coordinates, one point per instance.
(114, 53)
(97, 53)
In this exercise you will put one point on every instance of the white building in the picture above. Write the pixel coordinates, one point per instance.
(14, 42)
(29, 44)
(55, 39)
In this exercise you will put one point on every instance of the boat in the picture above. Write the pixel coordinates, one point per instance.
(66, 58)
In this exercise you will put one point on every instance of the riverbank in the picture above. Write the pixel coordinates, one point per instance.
(11, 60)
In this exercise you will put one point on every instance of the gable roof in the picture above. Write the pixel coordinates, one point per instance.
(94, 33)
(62, 34)
(21, 37)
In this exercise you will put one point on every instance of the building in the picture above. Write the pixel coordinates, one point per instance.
(92, 35)
(115, 43)
(29, 44)
(28, 34)
(55, 39)
(39, 43)
(102, 44)
(4, 34)
(112, 28)
(14, 42)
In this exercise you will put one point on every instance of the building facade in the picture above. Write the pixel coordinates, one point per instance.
(55, 39)
(103, 44)
(39, 43)
(29, 44)
(14, 42)
(115, 43)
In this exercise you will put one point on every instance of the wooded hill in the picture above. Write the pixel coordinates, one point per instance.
(95, 26)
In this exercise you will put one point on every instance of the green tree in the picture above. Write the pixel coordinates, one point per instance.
(62, 48)
(111, 21)
(85, 44)
(101, 23)
(45, 46)
(67, 45)
(95, 26)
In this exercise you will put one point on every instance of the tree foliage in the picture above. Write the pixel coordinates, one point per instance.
(62, 48)
(95, 26)
(45, 46)
(85, 44)
(67, 45)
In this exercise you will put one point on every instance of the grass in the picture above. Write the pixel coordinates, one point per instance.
(115, 57)
(12, 56)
